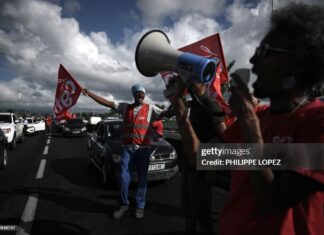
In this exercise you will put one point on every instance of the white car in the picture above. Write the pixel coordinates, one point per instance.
(33, 126)
(13, 128)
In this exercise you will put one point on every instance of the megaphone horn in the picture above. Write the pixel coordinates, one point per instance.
(154, 54)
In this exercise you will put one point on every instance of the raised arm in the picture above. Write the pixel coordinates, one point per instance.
(188, 135)
(167, 113)
(99, 99)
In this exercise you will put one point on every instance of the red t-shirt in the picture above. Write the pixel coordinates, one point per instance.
(240, 215)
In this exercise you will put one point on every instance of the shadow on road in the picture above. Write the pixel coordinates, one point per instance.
(57, 227)
(77, 172)
(164, 209)
(163, 233)
(41, 227)
(80, 202)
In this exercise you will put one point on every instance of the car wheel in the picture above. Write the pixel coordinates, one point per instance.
(12, 145)
(105, 175)
(3, 157)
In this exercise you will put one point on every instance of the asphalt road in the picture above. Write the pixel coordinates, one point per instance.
(48, 188)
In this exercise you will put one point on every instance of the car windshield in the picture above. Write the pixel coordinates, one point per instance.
(75, 121)
(5, 118)
(115, 129)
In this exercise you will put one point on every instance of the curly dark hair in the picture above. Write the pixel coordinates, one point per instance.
(305, 26)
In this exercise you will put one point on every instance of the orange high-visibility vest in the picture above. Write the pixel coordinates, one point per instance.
(135, 130)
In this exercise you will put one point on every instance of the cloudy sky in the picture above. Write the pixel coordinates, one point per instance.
(95, 40)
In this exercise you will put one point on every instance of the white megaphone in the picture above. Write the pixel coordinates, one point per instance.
(154, 54)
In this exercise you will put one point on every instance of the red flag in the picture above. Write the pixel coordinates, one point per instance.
(209, 47)
(67, 93)
(66, 115)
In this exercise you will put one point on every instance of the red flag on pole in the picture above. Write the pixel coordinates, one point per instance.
(209, 47)
(66, 115)
(67, 93)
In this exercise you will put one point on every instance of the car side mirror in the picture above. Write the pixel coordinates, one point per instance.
(17, 121)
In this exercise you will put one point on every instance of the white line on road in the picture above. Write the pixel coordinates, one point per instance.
(28, 215)
(41, 169)
(45, 150)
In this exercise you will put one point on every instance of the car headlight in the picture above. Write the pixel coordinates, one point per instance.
(66, 129)
(6, 130)
(152, 158)
(173, 155)
(84, 129)
(116, 158)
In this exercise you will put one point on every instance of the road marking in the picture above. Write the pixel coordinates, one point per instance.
(41, 169)
(45, 150)
(28, 215)
(27, 218)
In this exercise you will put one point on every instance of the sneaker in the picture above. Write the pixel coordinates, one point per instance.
(120, 211)
(139, 213)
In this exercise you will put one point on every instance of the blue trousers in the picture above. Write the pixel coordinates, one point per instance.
(140, 157)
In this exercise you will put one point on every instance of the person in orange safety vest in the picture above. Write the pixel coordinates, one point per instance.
(138, 118)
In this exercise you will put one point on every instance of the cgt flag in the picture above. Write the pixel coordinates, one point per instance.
(209, 47)
(67, 93)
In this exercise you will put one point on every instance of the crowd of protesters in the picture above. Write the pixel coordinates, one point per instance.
(288, 63)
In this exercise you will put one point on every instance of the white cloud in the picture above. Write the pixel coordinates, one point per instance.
(248, 26)
(35, 47)
(156, 11)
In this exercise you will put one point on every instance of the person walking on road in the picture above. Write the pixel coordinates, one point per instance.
(138, 118)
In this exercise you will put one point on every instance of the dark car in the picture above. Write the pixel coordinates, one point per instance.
(3, 150)
(74, 127)
(104, 146)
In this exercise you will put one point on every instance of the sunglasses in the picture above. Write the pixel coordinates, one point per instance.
(262, 50)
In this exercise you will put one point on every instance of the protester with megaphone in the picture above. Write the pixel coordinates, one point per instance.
(138, 118)
(153, 55)
(288, 63)
(196, 186)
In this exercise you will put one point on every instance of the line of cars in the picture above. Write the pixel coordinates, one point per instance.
(3, 150)
(71, 127)
(13, 130)
(33, 126)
